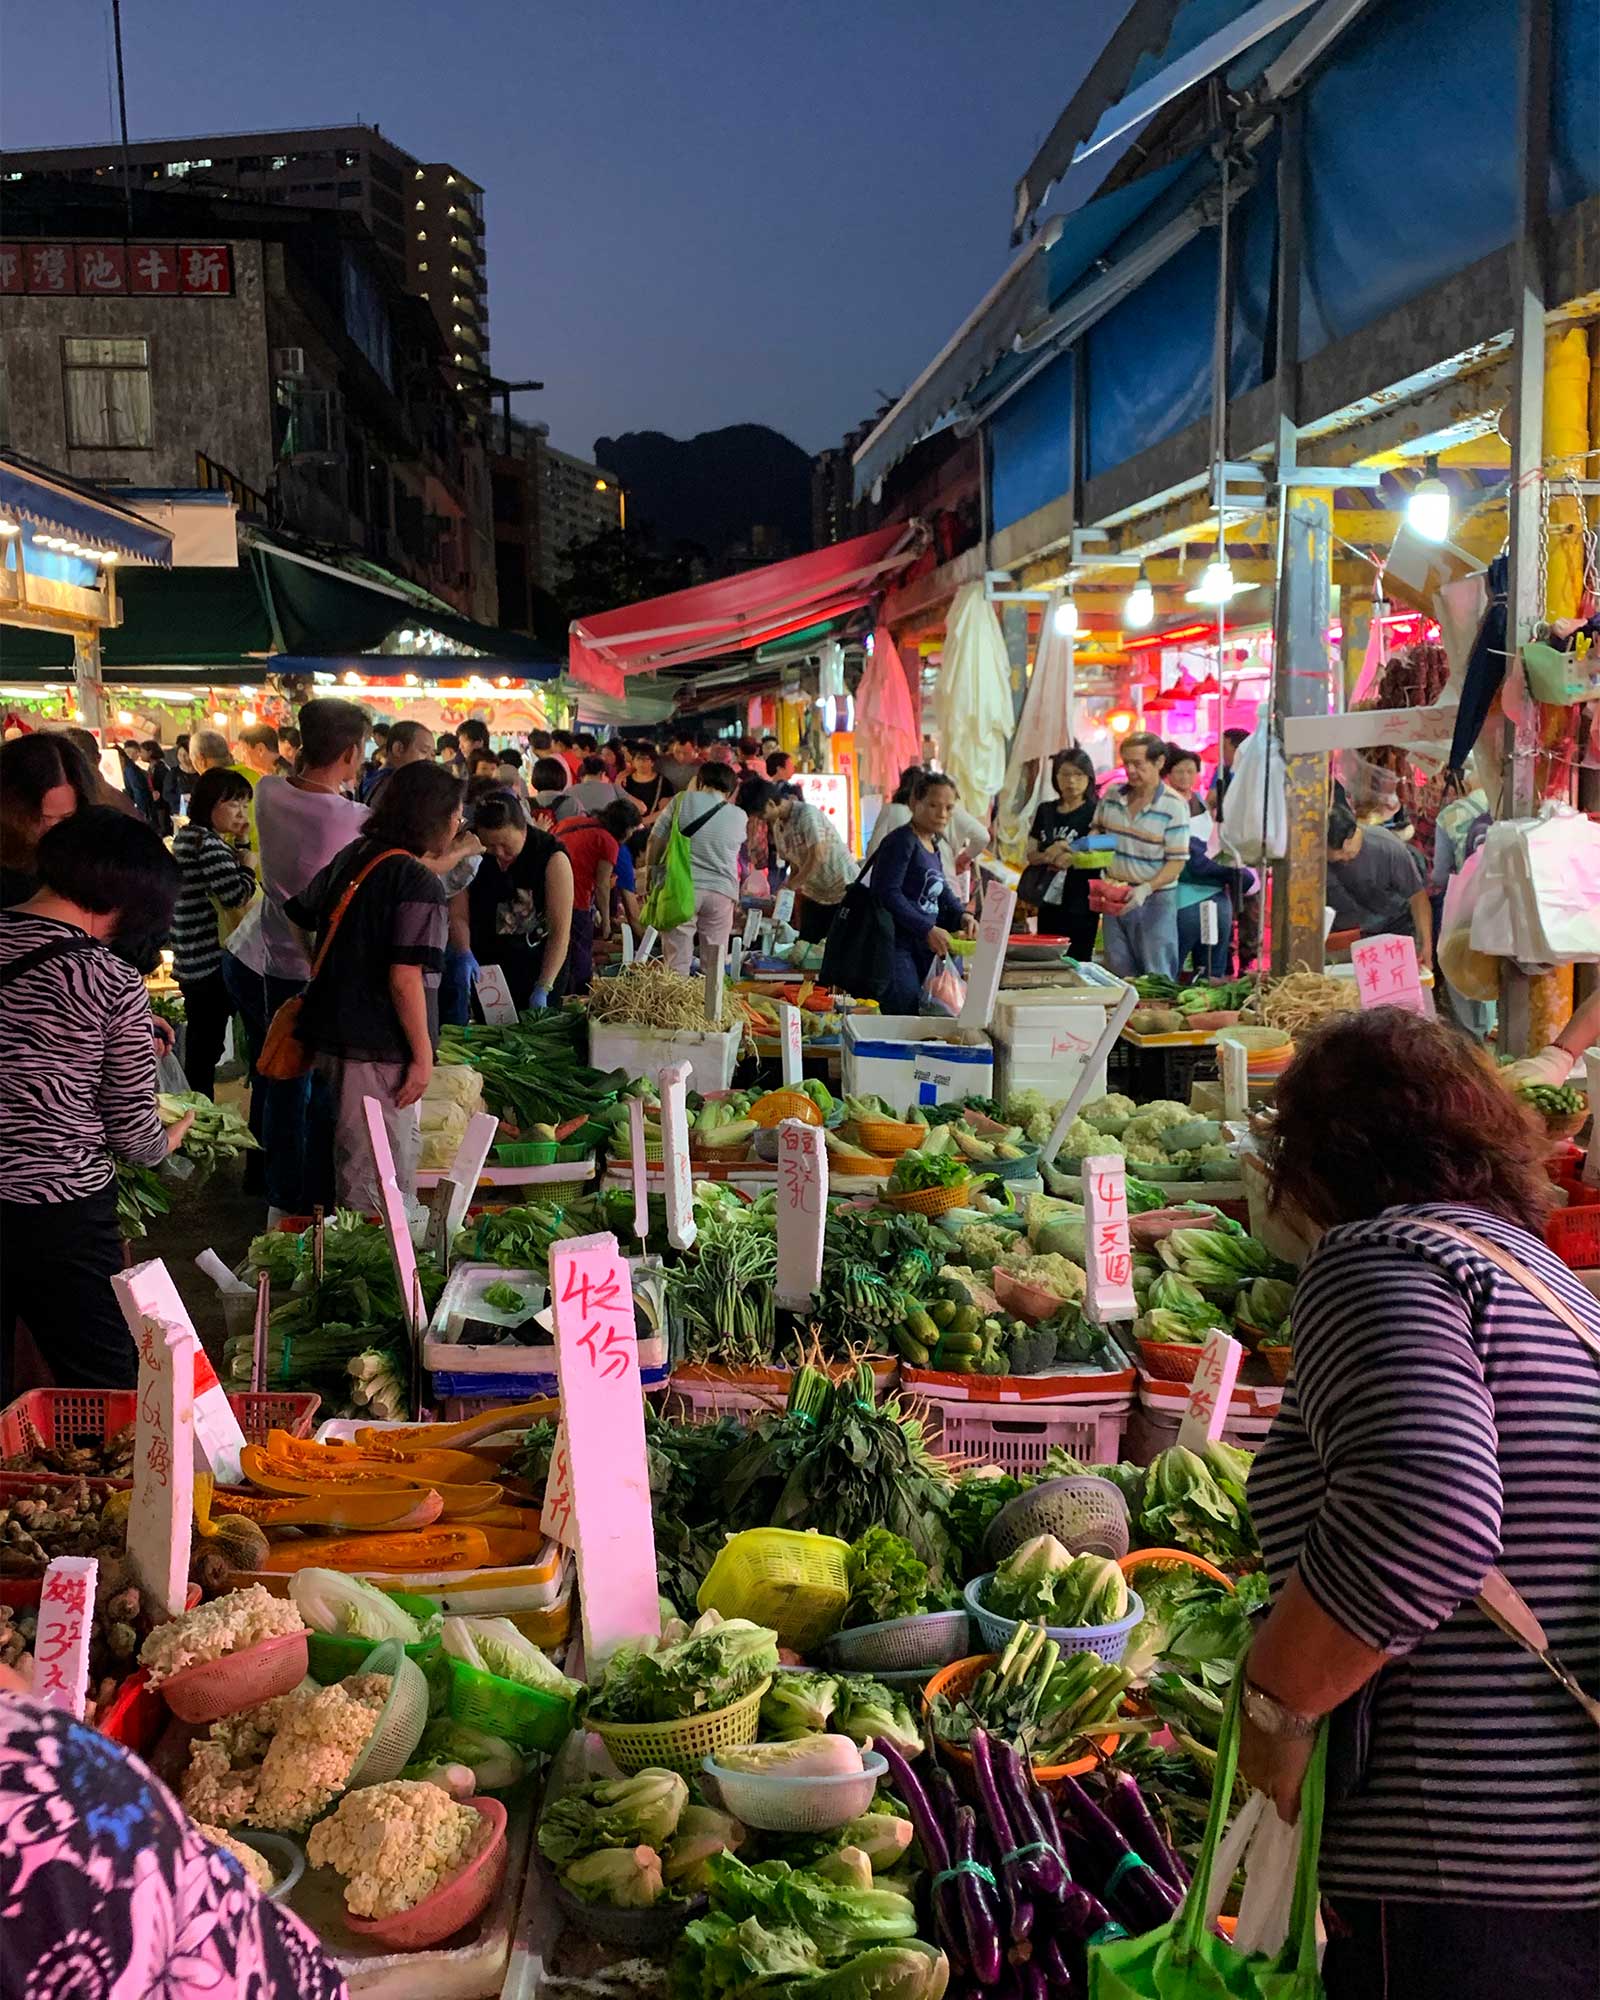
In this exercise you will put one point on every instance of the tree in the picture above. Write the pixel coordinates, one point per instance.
(622, 566)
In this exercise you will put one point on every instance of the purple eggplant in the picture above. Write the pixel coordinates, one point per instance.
(1040, 1873)
(1034, 1984)
(1142, 1898)
(1126, 1807)
(1016, 1906)
(1052, 1962)
(930, 1828)
(980, 1918)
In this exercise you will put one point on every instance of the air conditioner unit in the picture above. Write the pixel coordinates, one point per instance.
(289, 361)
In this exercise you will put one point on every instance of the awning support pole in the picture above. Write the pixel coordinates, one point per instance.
(86, 678)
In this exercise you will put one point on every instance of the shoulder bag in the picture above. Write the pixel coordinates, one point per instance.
(858, 957)
(284, 1058)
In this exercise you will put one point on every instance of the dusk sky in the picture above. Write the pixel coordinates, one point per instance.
(698, 213)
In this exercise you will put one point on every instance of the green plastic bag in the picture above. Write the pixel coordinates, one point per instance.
(1183, 1959)
(670, 901)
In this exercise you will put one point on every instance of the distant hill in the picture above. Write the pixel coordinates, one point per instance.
(744, 491)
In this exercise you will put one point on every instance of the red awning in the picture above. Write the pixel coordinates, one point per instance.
(738, 613)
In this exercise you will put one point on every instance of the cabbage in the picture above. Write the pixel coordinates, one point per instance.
(847, 1866)
(1042, 1579)
(797, 1704)
(329, 1601)
(867, 1710)
(883, 1837)
(447, 1746)
(625, 1878)
(701, 1832)
(796, 1757)
(495, 1646)
(613, 1812)
(838, 1921)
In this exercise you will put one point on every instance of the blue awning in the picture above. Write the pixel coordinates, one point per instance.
(83, 514)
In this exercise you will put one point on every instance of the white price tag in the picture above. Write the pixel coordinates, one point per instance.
(802, 1211)
(752, 925)
(736, 960)
(161, 1517)
(783, 906)
(988, 961)
(647, 944)
(674, 1082)
(1208, 921)
(1110, 1262)
(1233, 1061)
(1210, 1392)
(494, 996)
(396, 1221)
(715, 970)
(61, 1644)
(626, 935)
(789, 1043)
(639, 1168)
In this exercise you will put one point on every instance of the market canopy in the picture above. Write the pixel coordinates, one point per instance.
(60, 506)
(737, 614)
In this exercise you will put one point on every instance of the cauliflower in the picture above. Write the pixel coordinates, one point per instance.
(314, 1750)
(395, 1844)
(213, 1791)
(1039, 1127)
(1113, 1110)
(983, 1244)
(255, 1865)
(1082, 1141)
(225, 1625)
(1142, 1149)
(1050, 1272)
(1153, 1119)
(1022, 1106)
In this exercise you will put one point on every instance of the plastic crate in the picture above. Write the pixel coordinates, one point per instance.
(525, 1153)
(705, 1402)
(1018, 1438)
(532, 1718)
(92, 1416)
(1574, 1235)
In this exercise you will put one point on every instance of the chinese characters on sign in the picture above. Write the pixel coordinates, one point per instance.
(983, 982)
(1110, 1263)
(555, 1512)
(163, 1450)
(789, 1030)
(1211, 1392)
(117, 270)
(494, 997)
(1386, 973)
(802, 1210)
(61, 1646)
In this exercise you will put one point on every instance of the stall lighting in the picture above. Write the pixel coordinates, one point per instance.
(411, 680)
(1139, 607)
(124, 716)
(1216, 585)
(219, 718)
(352, 678)
(108, 557)
(248, 719)
(1428, 506)
(1065, 619)
(9, 528)
(1119, 721)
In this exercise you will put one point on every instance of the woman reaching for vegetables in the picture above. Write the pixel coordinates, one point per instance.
(906, 878)
(1443, 1417)
(1059, 891)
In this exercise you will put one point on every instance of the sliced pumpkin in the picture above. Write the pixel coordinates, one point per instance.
(425, 1550)
(404, 1508)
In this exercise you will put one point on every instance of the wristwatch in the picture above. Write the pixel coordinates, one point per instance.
(1262, 1711)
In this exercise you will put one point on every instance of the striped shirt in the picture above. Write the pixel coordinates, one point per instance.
(77, 1067)
(1440, 1420)
(1146, 840)
(212, 874)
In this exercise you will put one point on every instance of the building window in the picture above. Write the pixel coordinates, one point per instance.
(176, 169)
(349, 187)
(107, 385)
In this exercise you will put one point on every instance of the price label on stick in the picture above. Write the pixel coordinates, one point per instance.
(736, 960)
(789, 1042)
(783, 906)
(1386, 973)
(715, 968)
(647, 944)
(752, 924)
(1208, 922)
(626, 935)
(555, 1510)
(494, 997)
(1110, 1263)
(1211, 1392)
(1234, 1062)
(61, 1644)
(988, 961)
(146, 1292)
(674, 1082)
(602, 1406)
(639, 1168)
(766, 938)
(802, 1211)
(161, 1517)
(258, 1341)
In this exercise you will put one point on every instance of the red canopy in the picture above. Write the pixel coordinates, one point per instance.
(738, 613)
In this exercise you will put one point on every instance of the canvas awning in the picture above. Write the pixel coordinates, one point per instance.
(83, 514)
(737, 614)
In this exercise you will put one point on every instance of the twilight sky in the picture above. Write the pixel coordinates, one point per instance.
(699, 211)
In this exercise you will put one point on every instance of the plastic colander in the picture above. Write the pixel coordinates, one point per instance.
(1088, 1516)
(215, 1688)
(797, 1805)
(285, 1857)
(926, 1640)
(454, 1904)
(401, 1721)
(1108, 1642)
(638, 1933)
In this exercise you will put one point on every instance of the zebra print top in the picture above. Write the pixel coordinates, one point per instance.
(77, 1067)
(1439, 1419)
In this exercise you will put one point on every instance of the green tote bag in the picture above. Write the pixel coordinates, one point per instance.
(670, 901)
(1184, 1959)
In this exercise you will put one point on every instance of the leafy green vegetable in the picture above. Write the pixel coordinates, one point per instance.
(836, 1921)
(495, 1646)
(722, 1659)
(1043, 1579)
(972, 1505)
(866, 1709)
(625, 1878)
(140, 1194)
(920, 1169)
(796, 1704)
(613, 1812)
(277, 1253)
(1186, 1505)
(330, 1601)
(888, 1579)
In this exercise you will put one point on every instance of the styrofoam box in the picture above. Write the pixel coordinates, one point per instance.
(712, 1053)
(461, 1300)
(1041, 1041)
(906, 1059)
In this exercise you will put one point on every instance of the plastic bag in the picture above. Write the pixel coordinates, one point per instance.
(1538, 898)
(1473, 974)
(1255, 813)
(670, 899)
(170, 1079)
(944, 990)
(1268, 1849)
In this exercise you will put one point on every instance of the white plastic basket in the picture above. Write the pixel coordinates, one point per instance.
(797, 1805)
(401, 1721)
(1019, 1437)
(928, 1640)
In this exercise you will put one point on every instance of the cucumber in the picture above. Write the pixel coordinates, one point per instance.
(960, 1342)
(922, 1326)
(967, 1319)
(911, 1349)
(942, 1311)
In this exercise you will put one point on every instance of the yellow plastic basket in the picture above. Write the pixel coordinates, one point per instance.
(929, 1200)
(681, 1745)
(795, 1583)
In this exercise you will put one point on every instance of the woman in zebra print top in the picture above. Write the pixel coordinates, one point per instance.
(77, 1090)
(1441, 1420)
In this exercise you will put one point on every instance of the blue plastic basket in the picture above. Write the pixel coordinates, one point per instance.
(1110, 1642)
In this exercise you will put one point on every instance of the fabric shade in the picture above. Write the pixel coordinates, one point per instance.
(975, 708)
(60, 506)
(1044, 727)
(887, 739)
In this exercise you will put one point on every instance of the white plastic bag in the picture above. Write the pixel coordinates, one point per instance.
(1255, 813)
(1538, 893)
(1473, 974)
(1269, 1849)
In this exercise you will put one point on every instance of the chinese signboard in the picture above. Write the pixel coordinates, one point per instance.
(1386, 973)
(1110, 1266)
(117, 270)
(1211, 1392)
(802, 1210)
(61, 1647)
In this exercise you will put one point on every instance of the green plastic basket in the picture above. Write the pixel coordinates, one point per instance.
(526, 1153)
(528, 1717)
(683, 1745)
(332, 1655)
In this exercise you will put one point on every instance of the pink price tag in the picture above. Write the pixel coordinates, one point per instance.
(396, 1222)
(802, 1210)
(988, 961)
(1110, 1261)
(602, 1405)
(61, 1645)
(639, 1169)
(1211, 1392)
(1386, 973)
(555, 1510)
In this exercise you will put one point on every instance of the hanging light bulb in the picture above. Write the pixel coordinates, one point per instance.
(1065, 620)
(1428, 505)
(1216, 585)
(1139, 607)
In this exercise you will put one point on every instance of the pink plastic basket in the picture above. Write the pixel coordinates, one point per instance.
(1019, 1437)
(69, 1416)
(456, 1903)
(237, 1681)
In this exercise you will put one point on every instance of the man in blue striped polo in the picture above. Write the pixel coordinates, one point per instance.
(1150, 824)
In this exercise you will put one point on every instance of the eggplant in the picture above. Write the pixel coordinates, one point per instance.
(1052, 1962)
(1018, 1909)
(1143, 1896)
(1085, 1916)
(905, 1783)
(1126, 1807)
(980, 1919)
(1034, 1984)
(1042, 1873)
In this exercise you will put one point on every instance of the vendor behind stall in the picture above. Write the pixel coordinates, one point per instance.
(1057, 889)
(907, 879)
(517, 911)
(1376, 885)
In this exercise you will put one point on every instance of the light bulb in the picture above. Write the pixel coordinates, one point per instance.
(219, 718)
(352, 678)
(1428, 508)
(124, 716)
(1216, 582)
(1066, 618)
(1139, 607)
(248, 718)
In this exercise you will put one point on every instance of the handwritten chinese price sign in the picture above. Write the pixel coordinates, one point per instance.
(1386, 973)
(597, 1362)
(555, 1511)
(61, 1647)
(1110, 1266)
(789, 1030)
(802, 1211)
(1211, 1392)
(994, 932)
(163, 1463)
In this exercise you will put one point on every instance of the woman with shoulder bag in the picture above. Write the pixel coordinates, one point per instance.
(1057, 889)
(714, 829)
(1442, 1419)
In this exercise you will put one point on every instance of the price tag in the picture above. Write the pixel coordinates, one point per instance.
(752, 924)
(466, 1167)
(1091, 1068)
(626, 935)
(392, 1210)
(61, 1645)
(647, 944)
(802, 1210)
(1234, 1063)
(715, 969)
(146, 1292)
(783, 906)
(674, 1082)
(555, 1510)
(988, 961)
(602, 1405)
(1386, 973)
(1211, 1392)
(640, 1168)
(1110, 1265)
(161, 1518)
(494, 996)
(258, 1332)
(736, 960)
(789, 1042)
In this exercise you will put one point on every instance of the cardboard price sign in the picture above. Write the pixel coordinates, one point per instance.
(494, 996)
(1386, 973)
(790, 1043)
(163, 1461)
(988, 961)
(555, 1510)
(802, 1211)
(1110, 1266)
(752, 924)
(674, 1083)
(61, 1646)
(1211, 1391)
(602, 1404)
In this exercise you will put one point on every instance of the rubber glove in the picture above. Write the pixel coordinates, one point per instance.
(1551, 1066)
(1140, 896)
(538, 1000)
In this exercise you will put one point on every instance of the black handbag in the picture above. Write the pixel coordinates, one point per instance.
(1036, 879)
(858, 957)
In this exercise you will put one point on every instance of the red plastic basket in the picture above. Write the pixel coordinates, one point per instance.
(68, 1416)
(1574, 1235)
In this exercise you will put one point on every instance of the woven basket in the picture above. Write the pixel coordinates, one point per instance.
(1085, 1513)
(1108, 1642)
(683, 1745)
(929, 1201)
(926, 1640)
(1160, 1560)
(1279, 1359)
(953, 1682)
(1168, 1362)
(889, 1136)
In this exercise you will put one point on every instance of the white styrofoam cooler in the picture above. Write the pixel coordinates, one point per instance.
(1041, 1041)
(907, 1059)
(711, 1053)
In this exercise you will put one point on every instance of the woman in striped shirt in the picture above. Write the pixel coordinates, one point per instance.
(1441, 1419)
(217, 883)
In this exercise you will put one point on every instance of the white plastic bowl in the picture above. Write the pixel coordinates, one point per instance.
(797, 1805)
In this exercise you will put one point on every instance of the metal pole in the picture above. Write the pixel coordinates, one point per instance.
(1525, 592)
(122, 112)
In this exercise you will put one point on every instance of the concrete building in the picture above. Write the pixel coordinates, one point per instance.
(544, 501)
(576, 501)
(427, 218)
